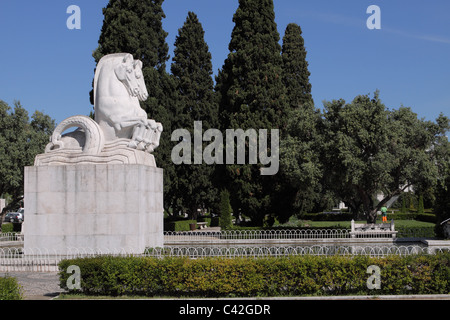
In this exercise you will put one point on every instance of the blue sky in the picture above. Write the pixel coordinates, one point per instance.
(50, 68)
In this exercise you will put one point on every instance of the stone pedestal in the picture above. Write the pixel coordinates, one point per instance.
(108, 208)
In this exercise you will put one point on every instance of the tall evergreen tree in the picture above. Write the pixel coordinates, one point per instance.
(252, 96)
(135, 26)
(297, 186)
(295, 67)
(192, 69)
(225, 220)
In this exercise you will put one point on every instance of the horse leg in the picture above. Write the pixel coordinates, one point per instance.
(157, 135)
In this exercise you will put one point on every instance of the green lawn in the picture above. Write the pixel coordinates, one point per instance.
(294, 222)
(398, 223)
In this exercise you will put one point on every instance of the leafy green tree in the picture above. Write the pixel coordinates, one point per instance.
(252, 96)
(192, 69)
(368, 149)
(442, 206)
(135, 27)
(20, 141)
(301, 171)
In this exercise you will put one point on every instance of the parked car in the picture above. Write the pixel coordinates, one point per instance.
(15, 216)
(9, 216)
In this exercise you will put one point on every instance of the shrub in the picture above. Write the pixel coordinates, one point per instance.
(269, 276)
(10, 289)
(420, 209)
(7, 227)
(225, 210)
(180, 225)
(338, 216)
(425, 217)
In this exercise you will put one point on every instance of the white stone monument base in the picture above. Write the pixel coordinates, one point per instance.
(104, 208)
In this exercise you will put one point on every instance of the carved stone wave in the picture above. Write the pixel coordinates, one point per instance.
(115, 152)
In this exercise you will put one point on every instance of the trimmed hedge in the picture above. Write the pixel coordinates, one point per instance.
(180, 225)
(270, 276)
(183, 224)
(424, 217)
(338, 216)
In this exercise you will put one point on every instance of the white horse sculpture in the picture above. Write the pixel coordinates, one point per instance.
(121, 126)
(118, 87)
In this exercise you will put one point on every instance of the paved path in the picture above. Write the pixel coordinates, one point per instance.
(37, 285)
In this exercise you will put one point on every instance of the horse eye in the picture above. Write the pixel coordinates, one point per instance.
(138, 76)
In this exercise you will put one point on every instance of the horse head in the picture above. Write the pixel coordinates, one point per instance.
(129, 72)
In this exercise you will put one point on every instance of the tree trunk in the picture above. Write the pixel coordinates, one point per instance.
(369, 210)
(372, 215)
(192, 213)
(2, 216)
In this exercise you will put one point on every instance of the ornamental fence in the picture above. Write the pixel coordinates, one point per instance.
(226, 243)
(280, 234)
(288, 234)
(17, 259)
(292, 234)
(282, 251)
(11, 236)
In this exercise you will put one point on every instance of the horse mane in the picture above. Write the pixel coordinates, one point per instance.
(104, 60)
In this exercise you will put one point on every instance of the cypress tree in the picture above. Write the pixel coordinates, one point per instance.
(297, 186)
(295, 67)
(135, 27)
(420, 208)
(192, 69)
(225, 220)
(403, 210)
(251, 96)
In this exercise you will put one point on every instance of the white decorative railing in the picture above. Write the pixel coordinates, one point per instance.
(264, 251)
(11, 236)
(171, 237)
(204, 235)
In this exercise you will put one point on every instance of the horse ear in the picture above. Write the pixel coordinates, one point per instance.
(127, 58)
(121, 69)
(137, 63)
